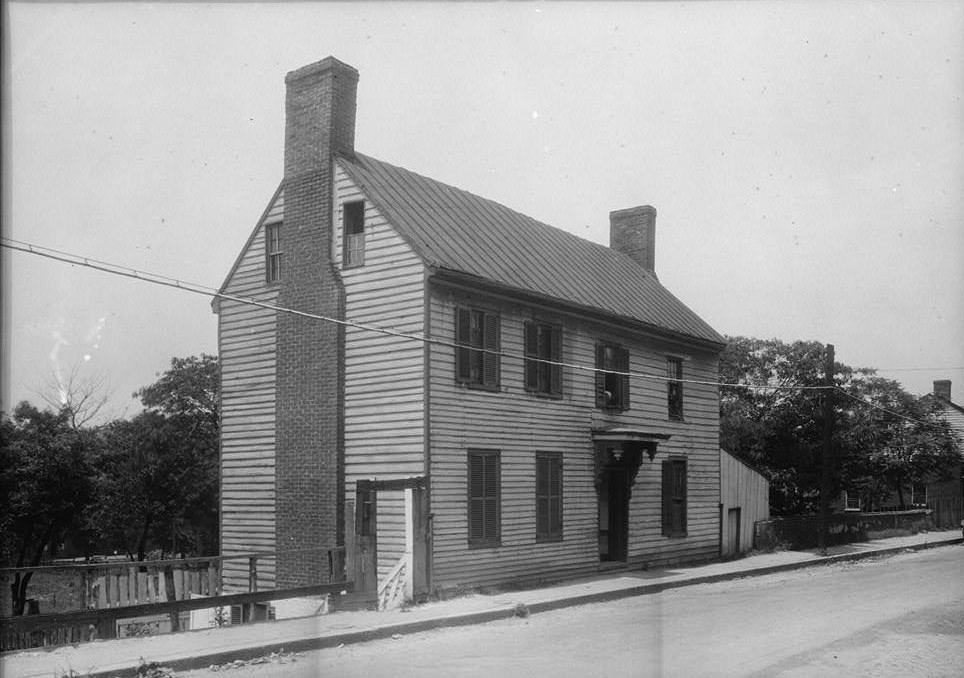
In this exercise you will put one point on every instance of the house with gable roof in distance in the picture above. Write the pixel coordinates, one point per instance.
(553, 404)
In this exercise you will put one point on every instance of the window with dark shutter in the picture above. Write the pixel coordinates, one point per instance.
(674, 388)
(274, 252)
(353, 219)
(476, 357)
(612, 380)
(548, 496)
(674, 497)
(543, 343)
(484, 498)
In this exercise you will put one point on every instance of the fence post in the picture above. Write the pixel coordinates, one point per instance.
(252, 585)
(171, 595)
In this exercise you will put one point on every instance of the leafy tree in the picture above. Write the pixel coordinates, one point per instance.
(159, 480)
(780, 429)
(46, 483)
(152, 478)
(777, 429)
(191, 388)
(894, 443)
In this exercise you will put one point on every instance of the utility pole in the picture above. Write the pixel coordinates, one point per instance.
(827, 456)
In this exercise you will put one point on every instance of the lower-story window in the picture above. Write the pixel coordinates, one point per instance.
(674, 497)
(548, 496)
(484, 498)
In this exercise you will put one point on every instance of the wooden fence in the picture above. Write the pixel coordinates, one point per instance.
(112, 592)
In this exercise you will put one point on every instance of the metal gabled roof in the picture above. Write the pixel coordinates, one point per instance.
(454, 230)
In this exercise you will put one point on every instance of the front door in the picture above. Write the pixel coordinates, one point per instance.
(613, 515)
(733, 532)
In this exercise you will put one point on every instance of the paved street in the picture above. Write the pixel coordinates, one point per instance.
(896, 616)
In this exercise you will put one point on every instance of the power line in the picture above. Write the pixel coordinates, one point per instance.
(891, 412)
(916, 369)
(196, 288)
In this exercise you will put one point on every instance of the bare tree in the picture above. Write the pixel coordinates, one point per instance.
(82, 397)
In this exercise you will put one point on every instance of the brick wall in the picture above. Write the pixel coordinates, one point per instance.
(320, 116)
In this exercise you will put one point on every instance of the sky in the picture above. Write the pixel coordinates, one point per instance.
(806, 159)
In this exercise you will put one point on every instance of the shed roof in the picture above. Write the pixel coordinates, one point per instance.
(455, 230)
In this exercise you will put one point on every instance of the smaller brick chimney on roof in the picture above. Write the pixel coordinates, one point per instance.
(942, 389)
(632, 231)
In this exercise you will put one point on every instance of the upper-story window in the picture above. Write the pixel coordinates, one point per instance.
(543, 343)
(612, 380)
(476, 357)
(274, 252)
(674, 388)
(353, 222)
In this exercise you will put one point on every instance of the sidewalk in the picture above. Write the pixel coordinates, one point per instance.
(196, 649)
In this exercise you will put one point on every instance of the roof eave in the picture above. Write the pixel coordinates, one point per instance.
(467, 281)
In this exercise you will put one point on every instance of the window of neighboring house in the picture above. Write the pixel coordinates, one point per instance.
(274, 252)
(674, 497)
(548, 496)
(476, 357)
(918, 494)
(353, 220)
(851, 501)
(484, 498)
(674, 389)
(612, 388)
(543, 342)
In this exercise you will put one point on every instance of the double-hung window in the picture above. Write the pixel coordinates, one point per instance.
(548, 496)
(274, 252)
(477, 354)
(674, 498)
(484, 498)
(353, 222)
(543, 343)
(612, 380)
(674, 388)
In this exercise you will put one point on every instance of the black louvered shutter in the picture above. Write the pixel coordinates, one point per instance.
(476, 497)
(532, 351)
(679, 498)
(667, 490)
(463, 319)
(555, 371)
(491, 521)
(555, 496)
(490, 342)
(622, 358)
(600, 376)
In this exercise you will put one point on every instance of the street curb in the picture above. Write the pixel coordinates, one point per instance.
(482, 617)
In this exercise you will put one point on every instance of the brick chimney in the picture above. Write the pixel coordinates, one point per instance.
(942, 389)
(633, 232)
(309, 411)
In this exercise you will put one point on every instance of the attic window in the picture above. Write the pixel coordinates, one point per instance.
(353, 220)
(274, 252)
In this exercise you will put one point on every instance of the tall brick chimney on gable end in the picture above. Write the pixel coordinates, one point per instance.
(942, 389)
(632, 231)
(309, 398)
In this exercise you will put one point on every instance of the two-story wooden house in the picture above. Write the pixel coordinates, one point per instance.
(559, 403)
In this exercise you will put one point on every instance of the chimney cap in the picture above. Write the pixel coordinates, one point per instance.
(329, 63)
(630, 211)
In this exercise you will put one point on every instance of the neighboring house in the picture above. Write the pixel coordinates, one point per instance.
(942, 497)
(744, 500)
(543, 450)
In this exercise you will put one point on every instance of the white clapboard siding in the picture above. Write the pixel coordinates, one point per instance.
(247, 348)
(384, 374)
(743, 488)
(519, 424)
